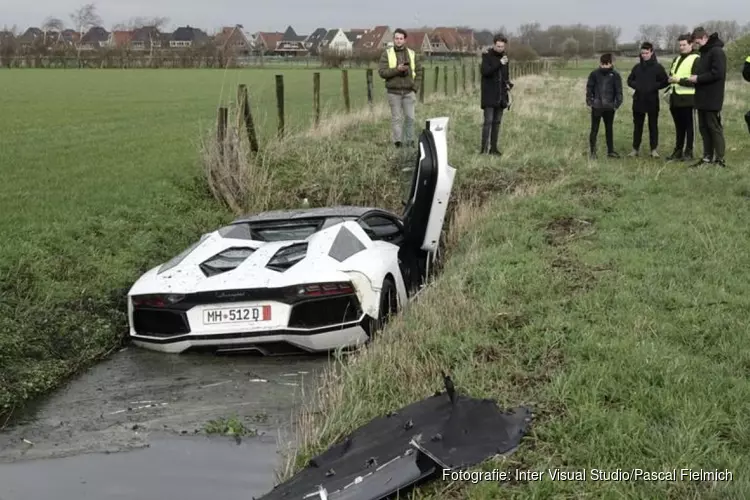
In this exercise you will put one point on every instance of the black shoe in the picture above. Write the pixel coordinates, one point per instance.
(397, 144)
(675, 156)
(688, 156)
(720, 163)
(593, 155)
(702, 163)
(495, 152)
(613, 154)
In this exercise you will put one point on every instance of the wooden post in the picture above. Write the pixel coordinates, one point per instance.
(369, 86)
(316, 98)
(221, 129)
(246, 114)
(473, 77)
(345, 86)
(463, 77)
(455, 79)
(437, 78)
(280, 103)
(421, 87)
(445, 80)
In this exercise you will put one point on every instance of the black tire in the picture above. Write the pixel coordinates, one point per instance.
(388, 306)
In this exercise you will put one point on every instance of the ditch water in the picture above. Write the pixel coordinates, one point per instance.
(132, 427)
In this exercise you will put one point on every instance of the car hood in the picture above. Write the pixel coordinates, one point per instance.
(187, 277)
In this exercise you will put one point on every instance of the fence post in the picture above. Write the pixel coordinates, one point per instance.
(369, 86)
(463, 77)
(316, 98)
(437, 78)
(280, 103)
(421, 86)
(345, 86)
(221, 129)
(455, 79)
(246, 114)
(445, 80)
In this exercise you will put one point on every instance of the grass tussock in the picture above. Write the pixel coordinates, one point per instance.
(610, 296)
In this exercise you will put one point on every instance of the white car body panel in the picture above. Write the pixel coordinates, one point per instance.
(250, 289)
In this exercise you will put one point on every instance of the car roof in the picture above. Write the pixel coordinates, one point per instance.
(311, 213)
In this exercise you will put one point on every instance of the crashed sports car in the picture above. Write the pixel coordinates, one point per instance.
(300, 281)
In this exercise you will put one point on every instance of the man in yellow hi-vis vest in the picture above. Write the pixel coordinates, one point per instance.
(402, 72)
(682, 99)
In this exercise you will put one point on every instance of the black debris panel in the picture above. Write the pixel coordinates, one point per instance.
(393, 453)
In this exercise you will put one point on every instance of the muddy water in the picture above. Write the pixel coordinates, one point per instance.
(131, 427)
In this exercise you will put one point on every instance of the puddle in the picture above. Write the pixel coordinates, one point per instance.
(131, 427)
(188, 468)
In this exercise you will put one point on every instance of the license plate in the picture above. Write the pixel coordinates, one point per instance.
(237, 315)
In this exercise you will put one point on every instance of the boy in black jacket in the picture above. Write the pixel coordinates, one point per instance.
(604, 97)
(746, 76)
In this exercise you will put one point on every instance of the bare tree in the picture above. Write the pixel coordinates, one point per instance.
(527, 32)
(728, 31)
(671, 33)
(653, 33)
(570, 48)
(52, 24)
(84, 18)
(141, 22)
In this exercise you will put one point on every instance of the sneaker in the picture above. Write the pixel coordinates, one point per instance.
(654, 154)
(592, 155)
(397, 144)
(703, 162)
(676, 155)
(633, 153)
(495, 152)
(688, 156)
(613, 154)
(721, 163)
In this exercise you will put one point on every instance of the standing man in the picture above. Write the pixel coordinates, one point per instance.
(681, 99)
(402, 73)
(709, 79)
(646, 78)
(495, 90)
(746, 76)
(604, 97)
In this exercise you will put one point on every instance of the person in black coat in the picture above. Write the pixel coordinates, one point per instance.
(709, 80)
(746, 76)
(647, 78)
(495, 97)
(604, 97)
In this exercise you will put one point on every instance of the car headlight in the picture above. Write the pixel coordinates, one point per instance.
(287, 257)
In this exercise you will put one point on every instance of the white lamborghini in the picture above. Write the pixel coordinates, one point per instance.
(288, 282)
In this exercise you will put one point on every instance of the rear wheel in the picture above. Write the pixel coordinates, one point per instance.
(387, 308)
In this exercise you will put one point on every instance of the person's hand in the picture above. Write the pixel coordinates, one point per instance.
(673, 79)
(504, 60)
(402, 68)
(693, 79)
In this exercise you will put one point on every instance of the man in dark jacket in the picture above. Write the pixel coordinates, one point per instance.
(604, 97)
(682, 99)
(709, 79)
(746, 76)
(646, 78)
(495, 90)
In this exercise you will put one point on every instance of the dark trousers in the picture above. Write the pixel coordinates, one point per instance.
(684, 129)
(653, 129)
(491, 128)
(712, 133)
(597, 115)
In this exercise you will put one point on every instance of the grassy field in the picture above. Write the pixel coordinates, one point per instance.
(99, 183)
(611, 296)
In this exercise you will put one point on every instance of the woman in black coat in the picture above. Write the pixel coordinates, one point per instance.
(494, 93)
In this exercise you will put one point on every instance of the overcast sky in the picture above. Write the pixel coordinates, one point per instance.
(306, 15)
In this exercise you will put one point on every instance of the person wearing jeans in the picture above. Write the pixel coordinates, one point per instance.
(604, 97)
(495, 90)
(647, 78)
(709, 80)
(402, 72)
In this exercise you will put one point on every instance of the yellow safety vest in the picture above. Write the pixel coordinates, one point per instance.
(747, 60)
(684, 71)
(392, 63)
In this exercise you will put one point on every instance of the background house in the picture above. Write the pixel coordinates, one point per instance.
(312, 43)
(147, 38)
(337, 41)
(291, 43)
(188, 36)
(95, 38)
(419, 41)
(119, 39)
(266, 42)
(374, 40)
(233, 39)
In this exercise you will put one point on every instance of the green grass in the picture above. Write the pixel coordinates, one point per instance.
(610, 296)
(101, 182)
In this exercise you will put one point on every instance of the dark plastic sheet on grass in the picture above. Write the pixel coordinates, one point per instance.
(415, 444)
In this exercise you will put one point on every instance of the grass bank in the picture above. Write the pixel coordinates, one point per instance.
(611, 296)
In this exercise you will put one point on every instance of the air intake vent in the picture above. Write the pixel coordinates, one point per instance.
(226, 260)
